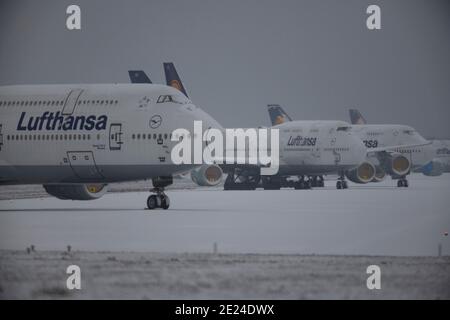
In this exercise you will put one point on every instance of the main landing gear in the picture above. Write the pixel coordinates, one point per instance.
(341, 183)
(402, 182)
(160, 199)
(242, 179)
(317, 181)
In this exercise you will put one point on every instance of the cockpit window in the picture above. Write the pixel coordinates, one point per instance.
(181, 99)
(345, 129)
(165, 98)
(410, 132)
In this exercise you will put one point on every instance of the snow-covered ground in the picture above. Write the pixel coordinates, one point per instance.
(41, 275)
(287, 244)
(374, 219)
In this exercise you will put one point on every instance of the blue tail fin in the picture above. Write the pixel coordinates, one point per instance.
(356, 117)
(277, 114)
(138, 76)
(172, 78)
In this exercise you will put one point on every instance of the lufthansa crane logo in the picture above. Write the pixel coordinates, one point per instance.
(175, 84)
(155, 121)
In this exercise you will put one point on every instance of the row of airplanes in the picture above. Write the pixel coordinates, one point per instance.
(76, 139)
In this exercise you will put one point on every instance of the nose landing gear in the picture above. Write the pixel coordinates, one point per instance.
(160, 199)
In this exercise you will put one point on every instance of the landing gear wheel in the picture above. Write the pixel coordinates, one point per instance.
(320, 182)
(152, 202)
(344, 185)
(339, 185)
(165, 202)
(158, 200)
(402, 183)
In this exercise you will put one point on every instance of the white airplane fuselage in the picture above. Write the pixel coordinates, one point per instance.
(318, 147)
(419, 153)
(56, 134)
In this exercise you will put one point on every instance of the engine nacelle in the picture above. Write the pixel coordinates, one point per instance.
(364, 173)
(433, 168)
(396, 164)
(76, 191)
(207, 175)
(380, 174)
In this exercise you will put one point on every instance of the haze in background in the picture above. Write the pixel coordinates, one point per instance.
(316, 58)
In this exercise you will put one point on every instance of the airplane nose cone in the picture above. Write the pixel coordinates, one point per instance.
(207, 121)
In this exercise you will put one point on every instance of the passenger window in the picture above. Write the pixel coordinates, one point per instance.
(149, 136)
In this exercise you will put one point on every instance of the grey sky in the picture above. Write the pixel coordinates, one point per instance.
(316, 57)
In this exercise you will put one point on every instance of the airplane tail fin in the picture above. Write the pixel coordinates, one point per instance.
(277, 114)
(356, 117)
(172, 78)
(138, 76)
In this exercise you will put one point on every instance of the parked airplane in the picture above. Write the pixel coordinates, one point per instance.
(308, 150)
(75, 139)
(392, 149)
(431, 160)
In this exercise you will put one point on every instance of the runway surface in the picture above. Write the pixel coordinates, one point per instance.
(375, 219)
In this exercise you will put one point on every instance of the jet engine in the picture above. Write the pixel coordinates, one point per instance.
(433, 168)
(76, 191)
(364, 173)
(395, 164)
(207, 175)
(380, 174)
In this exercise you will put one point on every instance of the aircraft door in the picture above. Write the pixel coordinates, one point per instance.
(115, 136)
(71, 102)
(163, 152)
(83, 165)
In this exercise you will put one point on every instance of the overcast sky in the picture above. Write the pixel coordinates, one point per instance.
(316, 58)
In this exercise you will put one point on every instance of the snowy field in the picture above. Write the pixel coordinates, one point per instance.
(376, 219)
(287, 244)
(41, 275)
